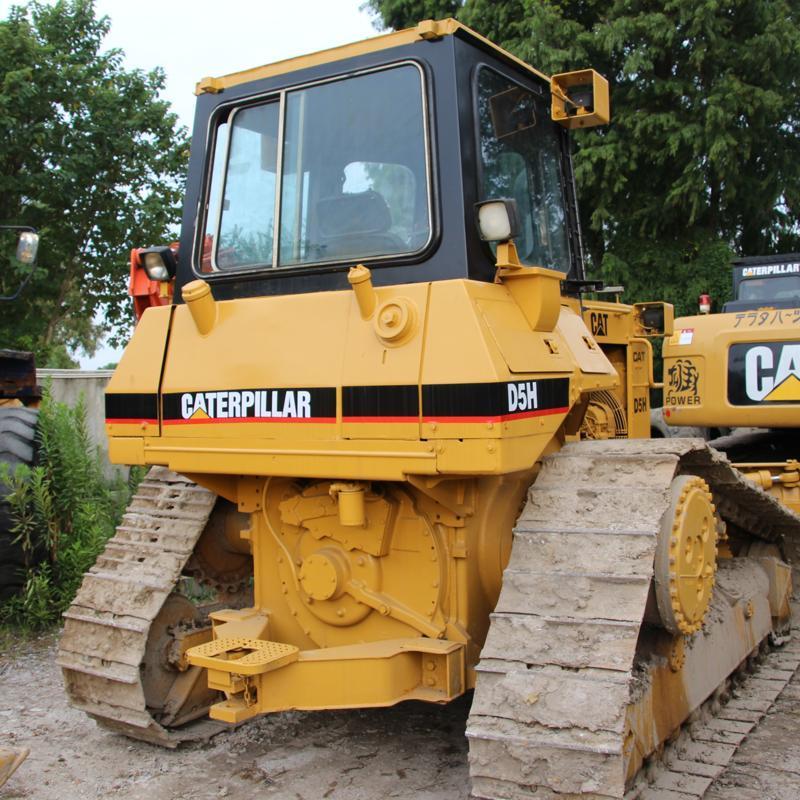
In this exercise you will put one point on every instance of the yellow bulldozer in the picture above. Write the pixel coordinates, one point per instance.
(396, 451)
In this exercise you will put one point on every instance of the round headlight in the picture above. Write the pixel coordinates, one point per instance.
(155, 267)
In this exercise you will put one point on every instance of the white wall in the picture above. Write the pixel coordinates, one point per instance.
(67, 387)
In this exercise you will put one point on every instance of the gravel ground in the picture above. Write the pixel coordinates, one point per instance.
(410, 751)
(767, 764)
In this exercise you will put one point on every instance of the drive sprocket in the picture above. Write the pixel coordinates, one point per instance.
(686, 556)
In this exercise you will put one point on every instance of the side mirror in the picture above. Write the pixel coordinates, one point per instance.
(580, 99)
(27, 247)
(654, 319)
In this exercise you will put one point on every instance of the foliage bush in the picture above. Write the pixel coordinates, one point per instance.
(65, 509)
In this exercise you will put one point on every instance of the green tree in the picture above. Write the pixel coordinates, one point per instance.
(397, 14)
(702, 157)
(92, 157)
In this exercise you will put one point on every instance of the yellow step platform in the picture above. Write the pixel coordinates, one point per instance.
(242, 656)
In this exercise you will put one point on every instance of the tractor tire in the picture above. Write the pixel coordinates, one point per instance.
(17, 446)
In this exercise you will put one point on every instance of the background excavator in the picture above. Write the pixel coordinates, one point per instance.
(397, 452)
(740, 370)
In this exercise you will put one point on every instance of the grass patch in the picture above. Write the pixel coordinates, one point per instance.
(64, 509)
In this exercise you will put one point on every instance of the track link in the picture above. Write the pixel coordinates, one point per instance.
(708, 742)
(558, 671)
(102, 649)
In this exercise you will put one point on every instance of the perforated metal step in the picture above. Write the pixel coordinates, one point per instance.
(242, 656)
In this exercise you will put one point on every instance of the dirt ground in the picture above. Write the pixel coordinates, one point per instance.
(411, 751)
(767, 764)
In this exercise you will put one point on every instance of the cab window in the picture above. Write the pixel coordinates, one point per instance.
(783, 287)
(520, 159)
(347, 178)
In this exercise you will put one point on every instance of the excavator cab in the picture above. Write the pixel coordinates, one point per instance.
(765, 281)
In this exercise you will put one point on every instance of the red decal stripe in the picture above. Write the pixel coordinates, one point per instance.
(380, 419)
(231, 420)
(501, 417)
(130, 421)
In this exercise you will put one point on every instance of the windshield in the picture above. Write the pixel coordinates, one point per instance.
(520, 154)
(785, 287)
(333, 172)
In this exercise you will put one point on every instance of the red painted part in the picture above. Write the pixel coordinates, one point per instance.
(144, 292)
(205, 258)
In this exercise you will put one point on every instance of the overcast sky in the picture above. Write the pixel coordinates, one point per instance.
(191, 39)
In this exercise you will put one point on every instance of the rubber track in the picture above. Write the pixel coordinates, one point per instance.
(107, 625)
(17, 447)
(556, 670)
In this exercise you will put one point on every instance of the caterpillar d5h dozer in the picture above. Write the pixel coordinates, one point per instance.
(740, 369)
(403, 450)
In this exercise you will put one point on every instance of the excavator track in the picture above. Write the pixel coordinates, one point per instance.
(103, 651)
(559, 672)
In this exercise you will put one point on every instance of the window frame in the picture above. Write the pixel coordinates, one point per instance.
(227, 112)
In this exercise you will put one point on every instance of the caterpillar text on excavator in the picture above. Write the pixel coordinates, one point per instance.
(397, 452)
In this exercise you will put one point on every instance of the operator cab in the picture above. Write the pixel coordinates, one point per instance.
(377, 155)
(765, 281)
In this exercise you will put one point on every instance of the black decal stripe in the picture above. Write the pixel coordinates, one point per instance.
(480, 401)
(322, 405)
(121, 408)
(380, 403)
(460, 402)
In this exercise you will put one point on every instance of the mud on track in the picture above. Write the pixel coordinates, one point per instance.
(411, 751)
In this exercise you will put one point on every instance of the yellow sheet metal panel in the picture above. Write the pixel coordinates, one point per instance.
(268, 369)
(609, 323)
(127, 450)
(380, 372)
(132, 393)
(522, 349)
(426, 382)
(736, 369)
(457, 348)
(585, 351)
(638, 390)
(429, 381)
(335, 459)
